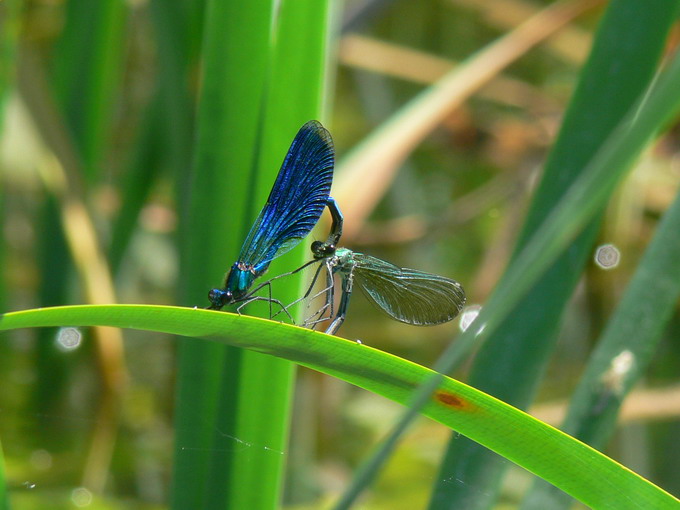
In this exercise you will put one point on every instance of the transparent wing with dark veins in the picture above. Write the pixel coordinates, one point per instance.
(407, 295)
(297, 198)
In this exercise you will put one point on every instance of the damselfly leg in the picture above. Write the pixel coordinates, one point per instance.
(325, 312)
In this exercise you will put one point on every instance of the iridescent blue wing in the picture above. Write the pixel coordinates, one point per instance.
(407, 295)
(297, 199)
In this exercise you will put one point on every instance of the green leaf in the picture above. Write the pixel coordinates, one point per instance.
(567, 463)
(252, 103)
(218, 208)
(4, 501)
(87, 75)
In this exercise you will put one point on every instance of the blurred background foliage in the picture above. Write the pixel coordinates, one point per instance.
(98, 102)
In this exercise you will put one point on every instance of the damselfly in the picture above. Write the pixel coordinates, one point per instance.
(407, 295)
(296, 201)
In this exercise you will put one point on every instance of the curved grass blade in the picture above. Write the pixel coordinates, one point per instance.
(296, 201)
(633, 334)
(579, 470)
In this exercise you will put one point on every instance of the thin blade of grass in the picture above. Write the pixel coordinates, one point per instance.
(10, 22)
(166, 134)
(4, 501)
(142, 172)
(234, 55)
(87, 75)
(624, 350)
(510, 363)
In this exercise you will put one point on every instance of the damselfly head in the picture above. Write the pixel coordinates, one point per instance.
(322, 250)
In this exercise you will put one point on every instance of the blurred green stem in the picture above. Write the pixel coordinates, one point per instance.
(87, 73)
(624, 350)
(511, 361)
(4, 500)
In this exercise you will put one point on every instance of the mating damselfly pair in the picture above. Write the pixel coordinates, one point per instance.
(299, 196)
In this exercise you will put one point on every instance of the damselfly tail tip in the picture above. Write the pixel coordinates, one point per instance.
(218, 298)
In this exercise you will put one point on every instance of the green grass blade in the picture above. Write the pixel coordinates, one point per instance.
(253, 102)
(4, 501)
(295, 94)
(613, 78)
(54, 371)
(137, 183)
(631, 337)
(10, 23)
(166, 132)
(212, 229)
(87, 75)
(292, 95)
(576, 468)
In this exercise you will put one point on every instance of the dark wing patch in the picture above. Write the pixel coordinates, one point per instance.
(297, 198)
(407, 295)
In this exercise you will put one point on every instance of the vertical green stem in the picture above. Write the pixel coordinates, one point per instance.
(4, 500)
(87, 75)
(262, 79)
(235, 53)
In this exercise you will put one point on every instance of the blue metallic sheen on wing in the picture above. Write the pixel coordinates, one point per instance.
(297, 199)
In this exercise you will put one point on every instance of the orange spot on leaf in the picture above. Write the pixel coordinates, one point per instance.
(451, 400)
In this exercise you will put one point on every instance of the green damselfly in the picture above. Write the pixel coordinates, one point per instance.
(407, 295)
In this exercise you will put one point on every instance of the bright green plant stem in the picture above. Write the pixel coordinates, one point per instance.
(511, 362)
(212, 228)
(262, 80)
(293, 93)
(576, 468)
